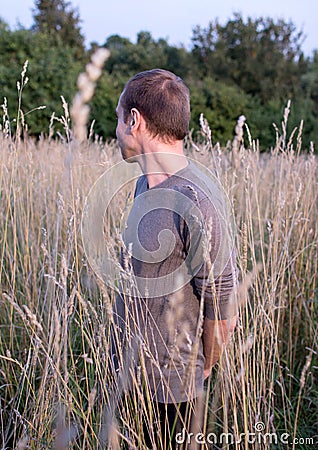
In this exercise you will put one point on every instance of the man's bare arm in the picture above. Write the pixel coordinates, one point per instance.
(216, 334)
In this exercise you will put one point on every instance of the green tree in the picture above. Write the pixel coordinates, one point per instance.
(220, 104)
(3, 25)
(128, 58)
(104, 103)
(261, 56)
(310, 81)
(58, 19)
(52, 71)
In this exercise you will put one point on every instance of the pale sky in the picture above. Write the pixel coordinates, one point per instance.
(171, 19)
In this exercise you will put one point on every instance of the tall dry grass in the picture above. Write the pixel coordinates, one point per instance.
(55, 387)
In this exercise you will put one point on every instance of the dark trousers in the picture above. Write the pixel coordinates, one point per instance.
(173, 423)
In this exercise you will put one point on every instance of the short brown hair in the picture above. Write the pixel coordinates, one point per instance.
(163, 100)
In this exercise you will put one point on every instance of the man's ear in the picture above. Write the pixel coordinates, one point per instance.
(134, 120)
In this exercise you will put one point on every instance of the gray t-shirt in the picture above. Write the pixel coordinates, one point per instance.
(179, 255)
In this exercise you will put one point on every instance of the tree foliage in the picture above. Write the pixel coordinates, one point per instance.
(58, 19)
(128, 58)
(261, 56)
(249, 67)
(52, 71)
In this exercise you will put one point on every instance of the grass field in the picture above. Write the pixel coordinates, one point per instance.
(55, 313)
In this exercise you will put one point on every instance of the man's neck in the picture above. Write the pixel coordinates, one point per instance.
(160, 161)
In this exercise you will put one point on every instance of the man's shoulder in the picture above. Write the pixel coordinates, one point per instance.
(198, 184)
(201, 186)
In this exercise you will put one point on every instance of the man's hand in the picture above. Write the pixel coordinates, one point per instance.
(216, 334)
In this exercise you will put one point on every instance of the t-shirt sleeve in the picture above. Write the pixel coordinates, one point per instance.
(213, 262)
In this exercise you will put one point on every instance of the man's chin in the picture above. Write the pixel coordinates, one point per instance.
(127, 158)
(124, 154)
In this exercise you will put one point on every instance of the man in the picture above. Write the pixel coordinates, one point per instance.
(175, 313)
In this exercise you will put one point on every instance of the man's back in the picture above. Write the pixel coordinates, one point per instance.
(176, 232)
